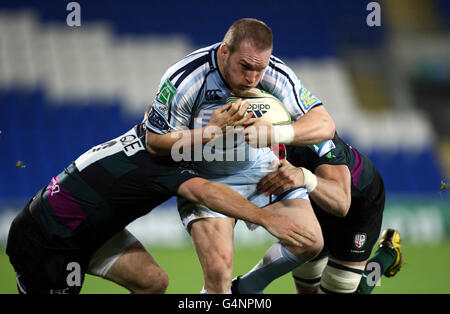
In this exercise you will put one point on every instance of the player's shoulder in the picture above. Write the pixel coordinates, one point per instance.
(199, 61)
(276, 65)
(183, 79)
(204, 50)
(275, 60)
(334, 151)
(278, 72)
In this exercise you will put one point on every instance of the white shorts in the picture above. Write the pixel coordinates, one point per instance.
(245, 183)
(102, 259)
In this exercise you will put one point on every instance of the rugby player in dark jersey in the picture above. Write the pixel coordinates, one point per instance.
(348, 197)
(76, 223)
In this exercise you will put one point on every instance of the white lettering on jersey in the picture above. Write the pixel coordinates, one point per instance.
(129, 143)
(54, 187)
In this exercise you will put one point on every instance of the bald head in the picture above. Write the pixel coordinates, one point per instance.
(253, 31)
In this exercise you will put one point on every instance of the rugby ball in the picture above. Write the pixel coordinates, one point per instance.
(264, 105)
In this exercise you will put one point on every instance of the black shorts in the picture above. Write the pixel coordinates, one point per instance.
(351, 238)
(43, 265)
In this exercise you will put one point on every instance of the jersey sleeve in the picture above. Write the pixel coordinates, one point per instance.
(171, 175)
(173, 179)
(310, 157)
(171, 109)
(279, 80)
(329, 153)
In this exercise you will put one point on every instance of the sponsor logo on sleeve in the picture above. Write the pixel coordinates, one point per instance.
(166, 93)
(162, 107)
(307, 98)
(330, 155)
(157, 120)
(324, 148)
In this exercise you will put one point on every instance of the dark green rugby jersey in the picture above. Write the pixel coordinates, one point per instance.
(106, 188)
(337, 153)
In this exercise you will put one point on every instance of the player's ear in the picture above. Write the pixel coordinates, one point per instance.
(224, 50)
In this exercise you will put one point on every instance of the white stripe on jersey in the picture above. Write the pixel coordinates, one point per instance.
(192, 84)
(284, 95)
(205, 49)
(182, 66)
(296, 98)
(177, 77)
(187, 75)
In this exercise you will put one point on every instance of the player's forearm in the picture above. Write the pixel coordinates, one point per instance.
(165, 144)
(331, 197)
(222, 199)
(314, 127)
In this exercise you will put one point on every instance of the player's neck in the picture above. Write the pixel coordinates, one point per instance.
(219, 61)
(220, 67)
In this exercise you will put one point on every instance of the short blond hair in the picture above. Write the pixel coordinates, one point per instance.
(252, 30)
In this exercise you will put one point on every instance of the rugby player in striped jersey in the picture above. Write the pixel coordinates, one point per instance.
(192, 101)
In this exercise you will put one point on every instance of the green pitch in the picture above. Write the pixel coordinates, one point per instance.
(426, 270)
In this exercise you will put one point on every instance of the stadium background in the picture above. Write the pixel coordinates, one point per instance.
(65, 89)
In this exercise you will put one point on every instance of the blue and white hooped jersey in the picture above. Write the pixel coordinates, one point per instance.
(192, 88)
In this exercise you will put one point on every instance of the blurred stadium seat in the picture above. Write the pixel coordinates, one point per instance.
(64, 89)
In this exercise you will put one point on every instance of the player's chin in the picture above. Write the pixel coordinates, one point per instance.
(242, 89)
